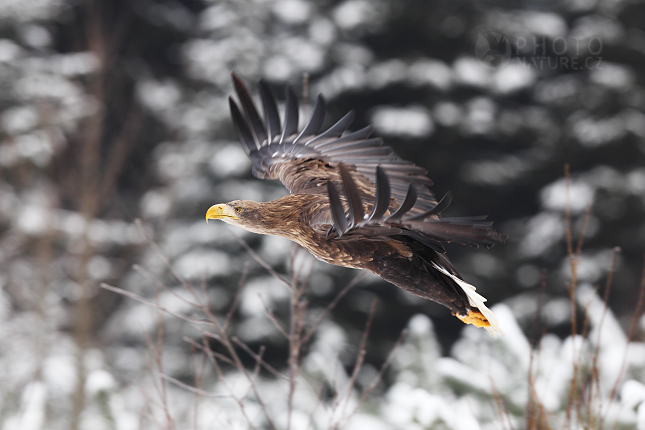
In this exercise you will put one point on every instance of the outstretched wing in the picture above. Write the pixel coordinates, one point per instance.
(425, 227)
(306, 161)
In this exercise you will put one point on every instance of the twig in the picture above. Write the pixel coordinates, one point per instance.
(595, 381)
(273, 319)
(385, 366)
(256, 372)
(220, 375)
(501, 407)
(194, 390)
(630, 336)
(236, 299)
(199, 375)
(357, 366)
(164, 287)
(157, 350)
(298, 308)
(257, 357)
(573, 262)
(151, 303)
(260, 261)
(533, 399)
(163, 257)
(332, 305)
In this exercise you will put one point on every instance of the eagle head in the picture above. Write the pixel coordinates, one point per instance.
(256, 217)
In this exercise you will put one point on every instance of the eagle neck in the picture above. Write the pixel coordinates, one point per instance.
(283, 217)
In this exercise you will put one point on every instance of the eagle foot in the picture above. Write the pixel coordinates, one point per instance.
(475, 318)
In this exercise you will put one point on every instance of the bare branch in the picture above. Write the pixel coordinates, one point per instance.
(332, 305)
(358, 365)
(259, 359)
(194, 390)
(273, 319)
(236, 299)
(151, 303)
(260, 261)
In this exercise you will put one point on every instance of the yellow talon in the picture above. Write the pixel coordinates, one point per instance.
(475, 318)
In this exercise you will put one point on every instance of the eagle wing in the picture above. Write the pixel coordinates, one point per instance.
(426, 227)
(383, 195)
(306, 161)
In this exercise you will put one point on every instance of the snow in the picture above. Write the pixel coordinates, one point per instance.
(386, 73)
(411, 121)
(19, 119)
(32, 414)
(34, 146)
(155, 204)
(216, 16)
(543, 231)
(523, 22)
(447, 114)
(32, 219)
(556, 311)
(99, 381)
(59, 373)
(480, 116)
(513, 77)
(292, 11)
(604, 29)
(430, 72)
(635, 181)
(353, 13)
(200, 264)
(230, 161)
(8, 50)
(613, 75)
(590, 268)
(261, 294)
(469, 71)
(36, 36)
(159, 96)
(322, 31)
(593, 132)
(99, 267)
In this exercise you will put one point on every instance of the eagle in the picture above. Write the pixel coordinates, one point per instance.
(353, 202)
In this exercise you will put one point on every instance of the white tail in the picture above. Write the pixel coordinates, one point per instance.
(475, 300)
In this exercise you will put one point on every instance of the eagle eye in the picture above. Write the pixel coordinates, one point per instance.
(238, 209)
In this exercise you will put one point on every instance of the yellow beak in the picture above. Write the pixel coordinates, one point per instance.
(220, 211)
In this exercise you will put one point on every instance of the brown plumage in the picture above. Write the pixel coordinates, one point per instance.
(353, 203)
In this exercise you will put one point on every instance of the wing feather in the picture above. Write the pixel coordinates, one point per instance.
(271, 115)
(382, 196)
(356, 212)
(250, 112)
(305, 161)
(315, 121)
(336, 130)
(358, 135)
(290, 119)
(440, 207)
(243, 133)
(408, 203)
(426, 228)
(340, 220)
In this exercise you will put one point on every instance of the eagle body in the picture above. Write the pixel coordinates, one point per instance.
(397, 259)
(353, 203)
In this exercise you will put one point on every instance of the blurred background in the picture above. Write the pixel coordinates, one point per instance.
(116, 110)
